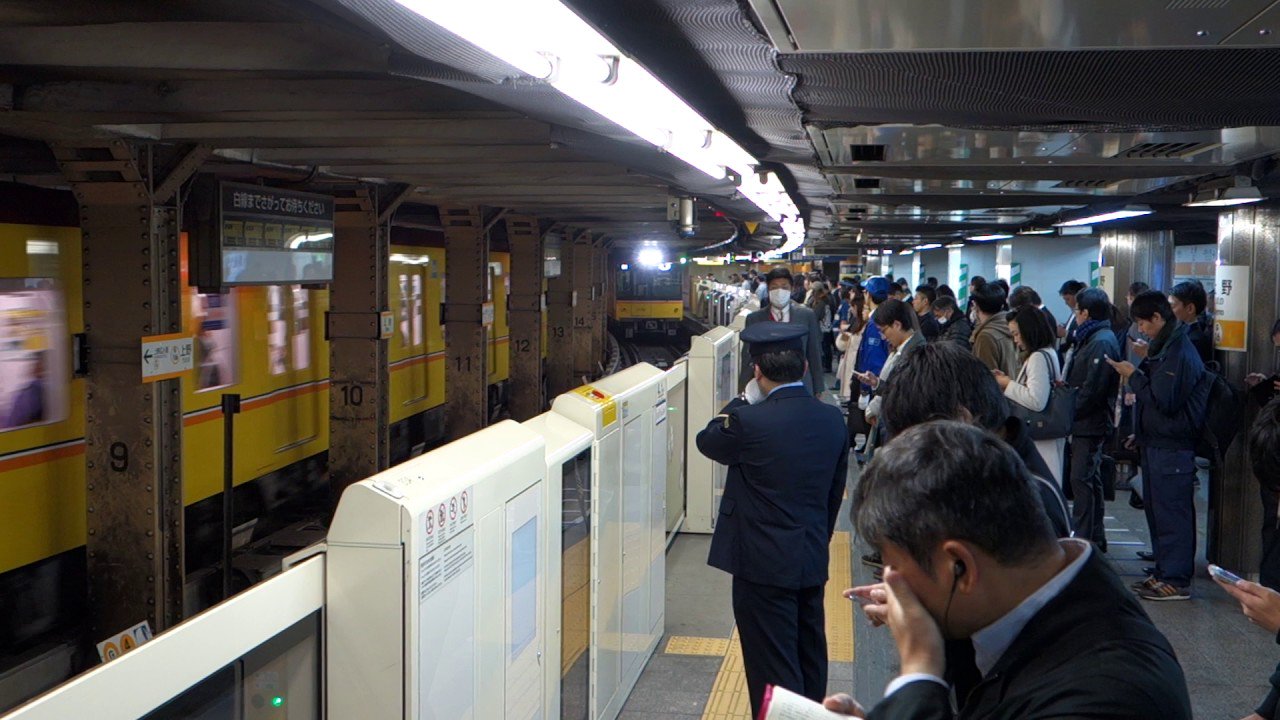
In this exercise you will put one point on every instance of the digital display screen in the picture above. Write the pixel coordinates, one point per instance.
(33, 353)
(271, 236)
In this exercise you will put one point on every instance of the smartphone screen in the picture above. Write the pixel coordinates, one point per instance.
(1225, 576)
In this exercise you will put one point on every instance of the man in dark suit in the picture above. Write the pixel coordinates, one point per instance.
(787, 454)
(780, 307)
(969, 554)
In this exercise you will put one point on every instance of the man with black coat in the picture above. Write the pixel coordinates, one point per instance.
(955, 325)
(1093, 343)
(969, 556)
(782, 306)
(787, 454)
(1172, 400)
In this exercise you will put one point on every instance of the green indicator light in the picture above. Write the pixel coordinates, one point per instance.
(277, 701)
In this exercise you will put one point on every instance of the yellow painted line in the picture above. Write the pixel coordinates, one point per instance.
(729, 699)
(839, 610)
(685, 645)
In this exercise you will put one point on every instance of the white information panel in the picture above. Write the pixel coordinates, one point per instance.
(446, 589)
(712, 383)
(423, 561)
(622, 412)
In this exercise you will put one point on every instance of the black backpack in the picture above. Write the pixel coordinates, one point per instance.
(1223, 412)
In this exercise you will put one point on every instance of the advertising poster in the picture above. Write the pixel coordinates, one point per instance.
(1231, 308)
(33, 353)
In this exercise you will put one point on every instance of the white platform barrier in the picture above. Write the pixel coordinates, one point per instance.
(264, 679)
(514, 573)
(713, 378)
(626, 414)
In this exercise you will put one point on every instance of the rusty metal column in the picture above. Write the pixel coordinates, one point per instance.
(1247, 236)
(1138, 256)
(524, 304)
(133, 455)
(561, 298)
(584, 271)
(467, 258)
(359, 382)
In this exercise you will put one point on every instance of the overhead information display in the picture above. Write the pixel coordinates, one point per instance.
(271, 236)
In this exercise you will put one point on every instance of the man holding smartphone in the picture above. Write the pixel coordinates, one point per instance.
(788, 455)
(1172, 400)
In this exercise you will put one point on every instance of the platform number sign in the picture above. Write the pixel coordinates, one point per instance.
(117, 645)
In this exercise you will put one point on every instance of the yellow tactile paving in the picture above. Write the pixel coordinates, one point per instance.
(839, 610)
(685, 645)
(729, 700)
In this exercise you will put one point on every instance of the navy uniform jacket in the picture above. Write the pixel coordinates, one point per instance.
(788, 457)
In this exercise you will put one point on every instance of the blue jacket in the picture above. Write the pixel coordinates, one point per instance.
(872, 352)
(1097, 383)
(1172, 395)
(788, 460)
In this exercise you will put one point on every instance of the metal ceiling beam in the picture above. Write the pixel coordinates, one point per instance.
(1025, 169)
(249, 94)
(421, 132)
(239, 46)
(991, 199)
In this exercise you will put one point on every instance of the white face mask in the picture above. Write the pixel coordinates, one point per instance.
(779, 297)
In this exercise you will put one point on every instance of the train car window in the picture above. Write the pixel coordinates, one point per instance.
(214, 317)
(301, 327)
(415, 308)
(34, 382)
(277, 331)
(406, 327)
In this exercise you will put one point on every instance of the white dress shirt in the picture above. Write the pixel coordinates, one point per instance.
(783, 315)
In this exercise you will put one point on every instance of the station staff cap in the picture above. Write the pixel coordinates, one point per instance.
(771, 337)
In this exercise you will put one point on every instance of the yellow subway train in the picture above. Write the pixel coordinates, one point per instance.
(265, 343)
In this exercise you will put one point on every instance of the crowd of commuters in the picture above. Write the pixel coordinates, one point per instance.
(984, 425)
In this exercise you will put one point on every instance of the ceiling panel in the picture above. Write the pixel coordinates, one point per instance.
(898, 25)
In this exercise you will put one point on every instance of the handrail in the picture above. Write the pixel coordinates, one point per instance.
(151, 675)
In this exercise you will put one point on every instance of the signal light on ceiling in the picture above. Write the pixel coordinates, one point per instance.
(1128, 211)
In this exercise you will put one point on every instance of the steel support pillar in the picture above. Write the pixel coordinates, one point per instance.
(561, 298)
(359, 376)
(133, 455)
(584, 272)
(524, 304)
(467, 255)
(599, 308)
(1138, 256)
(1247, 236)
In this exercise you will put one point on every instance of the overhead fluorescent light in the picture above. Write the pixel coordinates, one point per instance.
(1036, 231)
(1226, 197)
(929, 246)
(953, 246)
(546, 40)
(908, 251)
(989, 237)
(1076, 230)
(1129, 211)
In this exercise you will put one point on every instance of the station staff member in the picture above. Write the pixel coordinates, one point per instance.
(787, 454)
